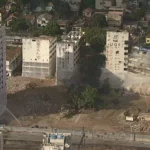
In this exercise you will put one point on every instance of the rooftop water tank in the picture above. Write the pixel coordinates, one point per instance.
(60, 136)
(53, 136)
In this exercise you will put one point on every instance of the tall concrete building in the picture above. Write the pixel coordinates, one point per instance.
(1, 141)
(39, 57)
(67, 56)
(3, 95)
(117, 51)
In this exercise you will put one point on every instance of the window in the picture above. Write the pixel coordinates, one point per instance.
(126, 48)
(125, 53)
(125, 69)
(126, 42)
(117, 52)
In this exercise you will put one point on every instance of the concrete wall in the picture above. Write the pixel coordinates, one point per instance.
(39, 56)
(12, 64)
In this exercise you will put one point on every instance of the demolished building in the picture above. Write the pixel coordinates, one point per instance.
(139, 62)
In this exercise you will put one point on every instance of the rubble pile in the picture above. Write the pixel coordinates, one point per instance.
(34, 97)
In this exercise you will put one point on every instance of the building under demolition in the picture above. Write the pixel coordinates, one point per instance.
(67, 56)
(139, 62)
(39, 57)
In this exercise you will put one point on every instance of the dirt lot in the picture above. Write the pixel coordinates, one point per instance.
(41, 104)
(111, 148)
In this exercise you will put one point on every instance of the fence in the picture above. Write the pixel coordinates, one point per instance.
(117, 136)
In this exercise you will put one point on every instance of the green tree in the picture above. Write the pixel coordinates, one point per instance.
(62, 8)
(89, 3)
(140, 13)
(37, 32)
(87, 98)
(19, 24)
(2, 3)
(99, 21)
(96, 37)
(52, 28)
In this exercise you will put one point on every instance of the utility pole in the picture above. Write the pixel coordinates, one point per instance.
(82, 138)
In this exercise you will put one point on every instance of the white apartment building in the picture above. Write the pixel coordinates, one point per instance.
(67, 56)
(117, 51)
(39, 57)
(3, 95)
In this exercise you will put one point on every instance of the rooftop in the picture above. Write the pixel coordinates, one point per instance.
(42, 37)
(88, 10)
(29, 16)
(11, 52)
(148, 35)
(46, 16)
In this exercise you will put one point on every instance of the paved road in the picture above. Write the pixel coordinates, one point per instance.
(31, 134)
(29, 137)
(23, 136)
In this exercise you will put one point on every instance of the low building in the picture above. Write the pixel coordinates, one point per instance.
(44, 19)
(88, 12)
(15, 41)
(64, 24)
(39, 57)
(59, 141)
(49, 7)
(101, 4)
(67, 57)
(148, 39)
(115, 16)
(9, 5)
(144, 116)
(13, 59)
(130, 25)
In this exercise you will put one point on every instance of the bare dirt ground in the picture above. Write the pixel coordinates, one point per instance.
(41, 104)
(111, 148)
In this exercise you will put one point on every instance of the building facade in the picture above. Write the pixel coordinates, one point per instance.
(59, 141)
(39, 57)
(1, 141)
(13, 59)
(3, 95)
(67, 56)
(148, 39)
(115, 16)
(117, 51)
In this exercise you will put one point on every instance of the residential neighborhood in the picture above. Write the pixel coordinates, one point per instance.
(74, 74)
